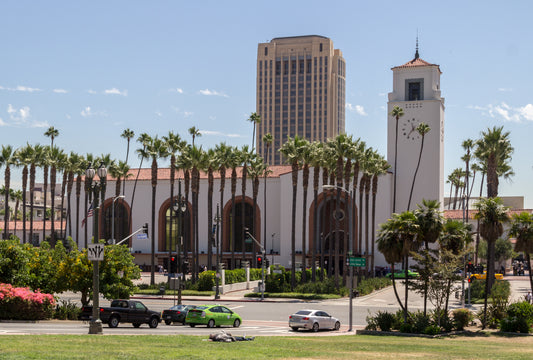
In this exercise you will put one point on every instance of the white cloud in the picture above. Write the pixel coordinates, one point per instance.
(115, 91)
(356, 108)
(159, 114)
(60, 91)
(18, 115)
(208, 92)
(2, 123)
(91, 91)
(505, 89)
(188, 113)
(26, 89)
(86, 112)
(506, 112)
(177, 90)
(218, 133)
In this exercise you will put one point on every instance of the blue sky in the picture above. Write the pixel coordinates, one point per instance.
(92, 69)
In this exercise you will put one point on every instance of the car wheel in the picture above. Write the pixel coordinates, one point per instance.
(153, 322)
(192, 325)
(211, 323)
(136, 325)
(236, 323)
(315, 327)
(113, 322)
(294, 328)
(183, 322)
(337, 325)
(168, 322)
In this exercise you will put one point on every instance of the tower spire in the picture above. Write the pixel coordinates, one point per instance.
(416, 53)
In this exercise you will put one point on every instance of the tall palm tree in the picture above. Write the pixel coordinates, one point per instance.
(127, 134)
(144, 139)
(121, 172)
(184, 163)
(306, 159)
(255, 119)
(73, 167)
(222, 154)
(397, 113)
(267, 141)
(467, 145)
(210, 164)
(89, 160)
(380, 168)
(255, 170)
(17, 196)
(422, 129)
(155, 149)
(233, 163)
(194, 132)
(316, 149)
(52, 133)
(522, 230)
(45, 164)
(63, 168)
(6, 160)
(55, 157)
(79, 172)
(198, 159)
(291, 151)
(492, 214)
(37, 155)
(23, 158)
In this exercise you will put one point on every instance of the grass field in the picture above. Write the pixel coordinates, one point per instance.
(480, 346)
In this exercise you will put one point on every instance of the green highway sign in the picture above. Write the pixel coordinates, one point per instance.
(356, 261)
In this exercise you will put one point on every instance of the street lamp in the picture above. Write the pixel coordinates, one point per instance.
(97, 188)
(217, 220)
(179, 206)
(113, 218)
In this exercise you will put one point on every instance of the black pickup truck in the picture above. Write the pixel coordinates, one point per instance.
(128, 311)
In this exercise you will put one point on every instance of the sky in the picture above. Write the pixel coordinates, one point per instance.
(94, 68)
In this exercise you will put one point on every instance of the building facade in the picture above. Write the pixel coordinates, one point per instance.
(300, 91)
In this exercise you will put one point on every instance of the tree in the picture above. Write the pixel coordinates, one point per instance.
(23, 158)
(316, 149)
(17, 196)
(267, 140)
(380, 168)
(255, 119)
(194, 132)
(233, 163)
(397, 113)
(492, 214)
(422, 129)
(306, 158)
(6, 160)
(154, 149)
(198, 160)
(35, 161)
(245, 157)
(210, 164)
(56, 159)
(127, 134)
(52, 133)
(255, 170)
(522, 230)
(222, 154)
(291, 151)
(467, 145)
(144, 139)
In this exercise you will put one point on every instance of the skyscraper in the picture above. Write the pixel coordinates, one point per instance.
(300, 91)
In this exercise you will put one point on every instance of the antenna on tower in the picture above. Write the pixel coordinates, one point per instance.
(416, 53)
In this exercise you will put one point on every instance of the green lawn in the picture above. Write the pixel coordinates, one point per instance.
(276, 347)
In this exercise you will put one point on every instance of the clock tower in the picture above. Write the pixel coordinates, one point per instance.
(416, 89)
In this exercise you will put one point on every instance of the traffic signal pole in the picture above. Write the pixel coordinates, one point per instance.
(263, 252)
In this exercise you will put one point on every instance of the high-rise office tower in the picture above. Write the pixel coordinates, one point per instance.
(300, 91)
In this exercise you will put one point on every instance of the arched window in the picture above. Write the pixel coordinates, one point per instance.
(120, 217)
(177, 225)
(234, 229)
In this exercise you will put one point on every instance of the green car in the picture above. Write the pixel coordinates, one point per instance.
(212, 315)
(400, 274)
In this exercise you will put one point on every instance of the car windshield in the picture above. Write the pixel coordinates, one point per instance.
(201, 307)
(303, 312)
(178, 307)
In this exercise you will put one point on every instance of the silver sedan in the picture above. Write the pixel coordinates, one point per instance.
(313, 320)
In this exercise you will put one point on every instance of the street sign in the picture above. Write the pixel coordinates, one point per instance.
(357, 261)
(142, 236)
(95, 252)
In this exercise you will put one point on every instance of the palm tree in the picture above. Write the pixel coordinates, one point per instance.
(306, 159)
(291, 151)
(79, 171)
(422, 129)
(6, 159)
(267, 140)
(184, 163)
(492, 214)
(397, 113)
(233, 162)
(522, 230)
(222, 154)
(63, 167)
(495, 151)
(127, 134)
(72, 168)
(255, 119)
(245, 157)
(23, 158)
(431, 222)
(380, 168)
(36, 158)
(467, 145)
(255, 170)
(52, 133)
(194, 132)
(120, 171)
(144, 139)
(154, 149)
(211, 163)
(198, 159)
(55, 159)
(89, 160)
(316, 149)
(17, 196)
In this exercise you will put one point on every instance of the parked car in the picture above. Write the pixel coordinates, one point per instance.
(121, 310)
(484, 276)
(212, 315)
(313, 320)
(400, 274)
(176, 313)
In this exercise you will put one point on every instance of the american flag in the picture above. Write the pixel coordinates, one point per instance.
(89, 214)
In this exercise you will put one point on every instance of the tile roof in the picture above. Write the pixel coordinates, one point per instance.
(458, 214)
(37, 225)
(415, 63)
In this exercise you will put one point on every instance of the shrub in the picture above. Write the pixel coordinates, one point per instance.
(419, 321)
(406, 327)
(384, 320)
(367, 286)
(515, 324)
(206, 280)
(442, 318)
(432, 330)
(24, 304)
(461, 318)
(521, 309)
(67, 311)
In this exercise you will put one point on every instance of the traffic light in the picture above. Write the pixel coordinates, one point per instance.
(145, 228)
(470, 268)
(259, 261)
(173, 265)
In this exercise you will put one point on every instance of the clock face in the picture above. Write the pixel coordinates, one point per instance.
(409, 129)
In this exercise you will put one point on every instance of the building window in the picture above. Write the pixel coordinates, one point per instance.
(414, 89)
(266, 51)
(320, 47)
(278, 67)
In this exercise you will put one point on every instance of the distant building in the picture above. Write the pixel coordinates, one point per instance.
(300, 91)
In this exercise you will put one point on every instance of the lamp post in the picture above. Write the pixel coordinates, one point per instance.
(95, 326)
(217, 220)
(113, 218)
(179, 208)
